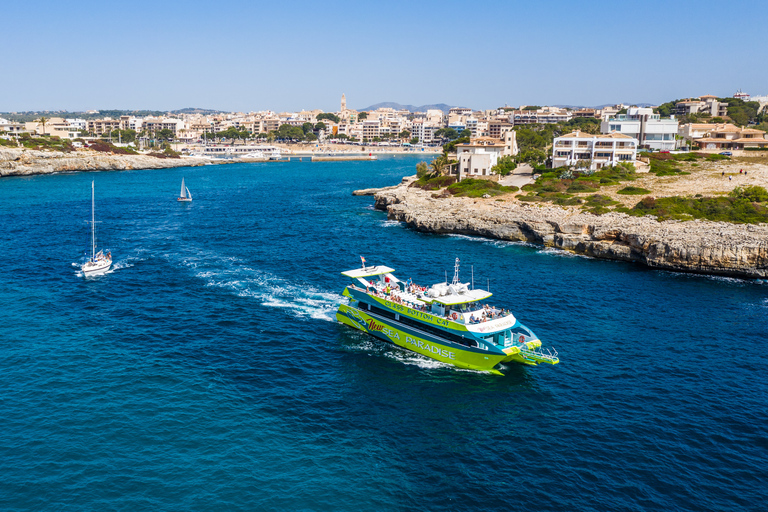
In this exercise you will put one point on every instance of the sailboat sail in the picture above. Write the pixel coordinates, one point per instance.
(183, 189)
(189, 195)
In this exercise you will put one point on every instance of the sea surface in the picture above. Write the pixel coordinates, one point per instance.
(207, 372)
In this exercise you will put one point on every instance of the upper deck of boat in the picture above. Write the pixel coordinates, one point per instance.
(463, 308)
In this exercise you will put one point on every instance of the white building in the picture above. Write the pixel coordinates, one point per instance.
(599, 150)
(642, 124)
(479, 155)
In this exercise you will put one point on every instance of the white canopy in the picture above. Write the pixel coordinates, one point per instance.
(462, 298)
(367, 272)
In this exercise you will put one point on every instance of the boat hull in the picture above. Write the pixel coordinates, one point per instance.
(420, 342)
(184, 199)
(95, 269)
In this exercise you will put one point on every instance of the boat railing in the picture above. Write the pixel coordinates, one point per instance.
(539, 356)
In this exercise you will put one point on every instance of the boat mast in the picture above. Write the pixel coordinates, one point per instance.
(456, 272)
(93, 222)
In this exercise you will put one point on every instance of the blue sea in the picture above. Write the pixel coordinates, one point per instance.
(207, 372)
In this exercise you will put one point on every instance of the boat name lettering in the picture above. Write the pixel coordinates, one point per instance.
(389, 333)
(416, 314)
(430, 348)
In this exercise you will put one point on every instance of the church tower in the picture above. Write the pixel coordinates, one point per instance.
(343, 102)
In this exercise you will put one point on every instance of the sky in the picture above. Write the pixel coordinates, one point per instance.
(239, 55)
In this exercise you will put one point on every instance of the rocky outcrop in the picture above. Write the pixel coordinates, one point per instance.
(695, 246)
(371, 191)
(20, 162)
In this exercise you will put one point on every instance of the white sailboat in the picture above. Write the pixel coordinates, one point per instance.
(185, 194)
(98, 263)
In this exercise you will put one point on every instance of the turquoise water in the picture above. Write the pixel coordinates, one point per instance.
(206, 372)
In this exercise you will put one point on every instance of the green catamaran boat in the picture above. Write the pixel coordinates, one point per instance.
(449, 323)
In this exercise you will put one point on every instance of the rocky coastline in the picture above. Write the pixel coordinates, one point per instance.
(25, 162)
(715, 248)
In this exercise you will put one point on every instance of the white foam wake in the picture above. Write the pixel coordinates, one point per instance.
(269, 290)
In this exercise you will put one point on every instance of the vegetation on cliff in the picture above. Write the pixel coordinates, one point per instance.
(40, 143)
(479, 188)
(106, 147)
(667, 164)
(558, 186)
(744, 205)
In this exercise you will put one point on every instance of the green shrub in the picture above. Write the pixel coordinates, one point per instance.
(106, 147)
(599, 200)
(580, 186)
(633, 191)
(753, 193)
(478, 188)
(505, 165)
(722, 209)
(436, 183)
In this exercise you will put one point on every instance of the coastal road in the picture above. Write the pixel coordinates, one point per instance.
(522, 175)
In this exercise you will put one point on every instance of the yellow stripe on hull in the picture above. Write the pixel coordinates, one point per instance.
(482, 361)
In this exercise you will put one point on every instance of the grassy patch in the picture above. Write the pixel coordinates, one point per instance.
(106, 147)
(52, 143)
(558, 185)
(633, 191)
(738, 208)
(478, 188)
(427, 183)
(8, 143)
(667, 164)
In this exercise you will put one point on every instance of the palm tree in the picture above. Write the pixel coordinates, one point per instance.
(438, 165)
(42, 121)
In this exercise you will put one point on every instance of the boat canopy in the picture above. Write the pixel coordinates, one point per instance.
(454, 299)
(368, 272)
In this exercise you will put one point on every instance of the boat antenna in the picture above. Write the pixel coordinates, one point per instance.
(473, 277)
(446, 277)
(456, 272)
(93, 222)
(489, 285)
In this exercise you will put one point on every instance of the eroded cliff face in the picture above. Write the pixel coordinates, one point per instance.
(695, 246)
(20, 162)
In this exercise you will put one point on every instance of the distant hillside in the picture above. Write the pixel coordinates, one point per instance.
(31, 115)
(191, 110)
(410, 108)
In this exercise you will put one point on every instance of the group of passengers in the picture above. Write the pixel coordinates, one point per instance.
(488, 313)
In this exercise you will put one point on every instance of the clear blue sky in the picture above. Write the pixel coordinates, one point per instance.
(249, 55)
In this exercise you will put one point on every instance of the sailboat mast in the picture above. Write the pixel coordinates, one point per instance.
(93, 222)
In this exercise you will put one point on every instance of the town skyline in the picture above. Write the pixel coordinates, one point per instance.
(262, 56)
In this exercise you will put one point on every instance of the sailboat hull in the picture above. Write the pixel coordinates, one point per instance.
(184, 199)
(94, 268)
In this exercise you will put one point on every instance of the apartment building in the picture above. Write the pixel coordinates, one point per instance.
(155, 124)
(424, 130)
(599, 150)
(545, 115)
(478, 156)
(101, 126)
(12, 128)
(705, 104)
(497, 128)
(371, 129)
(648, 128)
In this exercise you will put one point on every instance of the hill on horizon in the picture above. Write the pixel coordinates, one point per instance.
(409, 108)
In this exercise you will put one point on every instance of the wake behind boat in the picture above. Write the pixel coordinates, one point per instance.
(185, 195)
(98, 262)
(446, 322)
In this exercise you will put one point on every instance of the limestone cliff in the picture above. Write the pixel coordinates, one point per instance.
(19, 162)
(695, 246)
